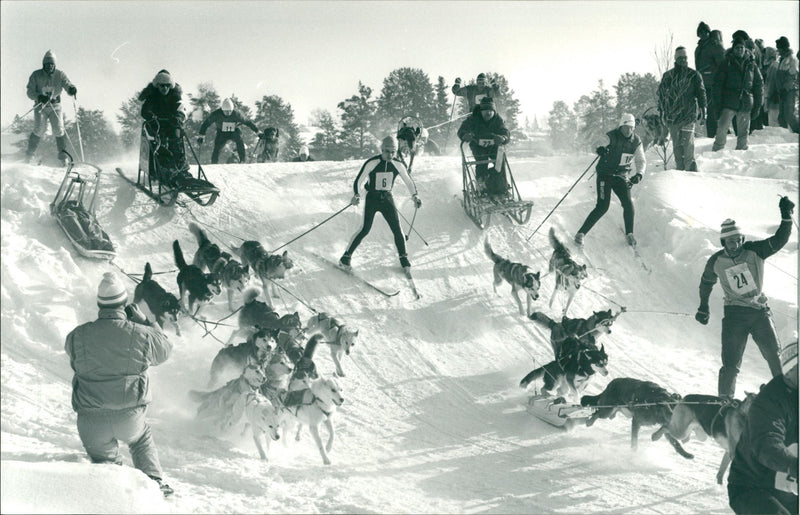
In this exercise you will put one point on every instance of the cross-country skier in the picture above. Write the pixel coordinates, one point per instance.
(227, 121)
(377, 177)
(474, 93)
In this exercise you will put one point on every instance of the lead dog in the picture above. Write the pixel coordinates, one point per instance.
(233, 276)
(721, 419)
(339, 336)
(517, 275)
(163, 305)
(196, 288)
(264, 265)
(569, 273)
(318, 405)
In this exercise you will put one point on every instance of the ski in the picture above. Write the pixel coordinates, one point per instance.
(638, 257)
(411, 284)
(387, 293)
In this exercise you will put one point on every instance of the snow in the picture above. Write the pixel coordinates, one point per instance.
(433, 420)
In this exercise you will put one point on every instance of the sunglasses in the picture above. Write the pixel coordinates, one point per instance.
(163, 86)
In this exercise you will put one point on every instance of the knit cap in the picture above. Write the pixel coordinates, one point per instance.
(481, 76)
(49, 57)
(703, 27)
(163, 77)
(304, 150)
(788, 357)
(782, 43)
(487, 104)
(111, 293)
(227, 105)
(627, 119)
(729, 228)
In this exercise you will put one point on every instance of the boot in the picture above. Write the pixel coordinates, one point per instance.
(61, 143)
(33, 143)
(579, 239)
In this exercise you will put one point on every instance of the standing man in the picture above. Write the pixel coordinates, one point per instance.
(786, 84)
(227, 121)
(707, 57)
(681, 102)
(763, 477)
(485, 131)
(110, 388)
(44, 87)
(740, 269)
(622, 149)
(738, 89)
(377, 177)
(474, 93)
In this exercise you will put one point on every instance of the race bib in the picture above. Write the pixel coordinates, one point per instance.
(478, 98)
(228, 126)
(383, 181)
(740, 279)
(625, 160)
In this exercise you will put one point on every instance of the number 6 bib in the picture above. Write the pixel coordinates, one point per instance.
(383, 181)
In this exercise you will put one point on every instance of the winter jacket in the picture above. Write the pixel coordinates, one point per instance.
(771, 428)
(738, 84)
(474, 93)
(786, 76)
(481, 129)
(42, 83)
(770, 86)
(621, 153)
(379, 175)
(707, 57)
(167, 106)
(110, 357)
(680, 93)
(742, 277)
(226, 123)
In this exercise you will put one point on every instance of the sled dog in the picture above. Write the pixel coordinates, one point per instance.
(708, 415)
(317, 406)
(651, 130)
(270, 141)
(569, 274)
(339, 336)
(233, 358)
(569, 374)
(586, 330)
(517, 275)
(232, 275)
(163, 305)
(256, 315)
(264, 265)
(262, 419)
(195, 286)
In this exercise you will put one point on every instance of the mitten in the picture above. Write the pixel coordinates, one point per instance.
(134, 314)
(601, 151)
(636, 178)
(355, 200)
(200, 139)
(786, 206)
(499, 139)
(42, 99)
(72, 90)
(417, 201)
(458, 81)
(702, 315)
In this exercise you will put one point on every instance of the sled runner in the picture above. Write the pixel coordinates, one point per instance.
(556, 411)
(164, 172)
(484, 198)
(78, 222)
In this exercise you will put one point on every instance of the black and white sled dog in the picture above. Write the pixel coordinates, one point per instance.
(519, 276)
(230, 361)
(569, 273)
(569, 373)
(163, 305)
(233, 276)
(256, 315)
(586, 330)
(196, 288)
(339, 336)
(707, 415)
(644, 401)
(264, 265)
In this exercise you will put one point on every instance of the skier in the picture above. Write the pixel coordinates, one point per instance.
(303, 156)
(740, 268)
(485, 131)
(474, 93)
(623, 148)
(110, 389)
(162, 103)
(377, 177)
(227, 121)
(44, 87)
(763, 477)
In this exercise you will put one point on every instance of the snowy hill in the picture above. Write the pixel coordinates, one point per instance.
(433, 420)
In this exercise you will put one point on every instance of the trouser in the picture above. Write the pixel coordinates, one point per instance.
(605, 185)
(682, 135)
(101, 432)
(724, 123)
(738, 323)
(220, 141)
(772, 115)
(786, 109)
(52, 113)
(711, 106)
(380, 202)
(171, 156)
(753, 500)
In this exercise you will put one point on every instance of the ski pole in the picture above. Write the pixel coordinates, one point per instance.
(20, 117)
(308, 231)
(78, 126)
(452, 110)
(562, 198)
(411, 227)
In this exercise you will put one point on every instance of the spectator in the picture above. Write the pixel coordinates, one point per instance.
(738, 89)
(227, 120)
(786, 84)
(485, 131)
(707, 57)
(303, 156)
(771, 97)
(474, 93)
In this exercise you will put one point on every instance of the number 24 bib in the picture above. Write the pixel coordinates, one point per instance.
(740, 279)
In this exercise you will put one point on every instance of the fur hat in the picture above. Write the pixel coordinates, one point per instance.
(163, 77)
(111, 293)
(782, 43)
(627, 119)
(729, 228)
(788, 357)
(487, 104)
(481, 76)
(227, 105)
(740, 34)
(703, 27)
(50, 57)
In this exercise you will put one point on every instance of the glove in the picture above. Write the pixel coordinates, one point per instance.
(468, 137)
(702, 315)
(135, 315)
(355, 200)
(458, 81)
(601, 151)
(72, 90)
(636, 179)
(177, 132)
(701, 114)
(200, 139)
(417, 201)
(42, 99)
(499, 139)
(792, 473)
(787, 207)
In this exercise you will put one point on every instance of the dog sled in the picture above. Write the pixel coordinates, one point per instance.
(76, 220)
(495, 194)
(164, 172)
(557, 412)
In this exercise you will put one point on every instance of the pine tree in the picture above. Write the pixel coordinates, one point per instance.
(596, 114)
(130, 121)
(563, 127)
(99, 140)
(358, 113)
(325, 145)
(406, 92)
(636, 93)
(441, 112)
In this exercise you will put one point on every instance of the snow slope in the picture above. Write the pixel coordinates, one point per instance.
(433, 420)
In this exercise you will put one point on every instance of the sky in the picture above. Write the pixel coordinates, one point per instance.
(313, 54)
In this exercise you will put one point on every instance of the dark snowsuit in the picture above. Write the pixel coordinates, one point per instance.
(680, 94)
(227, 129)
(481, 129)
(474, 93)
(707, 57)
(738, 90)
(762, 455)
(168, 111)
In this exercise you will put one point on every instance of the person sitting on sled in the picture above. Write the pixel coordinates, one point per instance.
(485, 131)
(162, 103)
